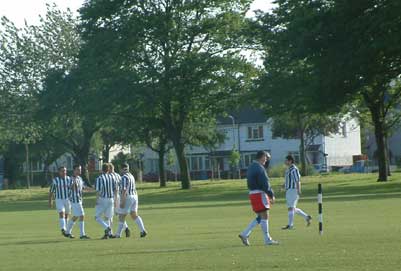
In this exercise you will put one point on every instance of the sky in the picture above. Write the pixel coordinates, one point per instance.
(19, 10)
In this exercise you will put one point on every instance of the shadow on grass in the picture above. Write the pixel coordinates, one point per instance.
(32, 242)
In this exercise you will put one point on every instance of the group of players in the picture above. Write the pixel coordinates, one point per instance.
(261, 196)
(116, 194)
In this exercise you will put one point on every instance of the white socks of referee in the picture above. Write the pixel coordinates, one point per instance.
(121, 226)
(82, 228)
(264, 224)
(70, 225)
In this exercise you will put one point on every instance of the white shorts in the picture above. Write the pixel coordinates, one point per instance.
(77, 209)
(131, 205)
(104, 206)
(117, 204)
(292, 197)
(63, 205)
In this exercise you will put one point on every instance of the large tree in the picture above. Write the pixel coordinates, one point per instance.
(350, 50)
(184, 54)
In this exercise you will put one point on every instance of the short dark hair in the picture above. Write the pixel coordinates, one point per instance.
(124, 166)
(76, 166)
(260, 154)
(290, 158)
(62, 167)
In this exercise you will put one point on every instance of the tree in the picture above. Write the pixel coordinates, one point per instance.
(306, 128)
(185, 54)
(350, 48)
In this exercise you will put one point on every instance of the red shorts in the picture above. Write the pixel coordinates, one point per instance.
(259, 201)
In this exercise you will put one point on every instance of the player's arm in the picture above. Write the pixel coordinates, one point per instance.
(51, 195)
(123, 192)
(264, 181)
(297, 177)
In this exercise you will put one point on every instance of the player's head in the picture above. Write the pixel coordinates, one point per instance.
(77, 170)
(62, 171)
(111, 167)
(105, 168)
(124, 167)
(262, 157)
(289, 160)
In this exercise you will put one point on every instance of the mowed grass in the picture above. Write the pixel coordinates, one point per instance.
(197, 230)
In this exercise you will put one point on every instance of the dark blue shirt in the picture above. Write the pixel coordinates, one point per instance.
(257, 179)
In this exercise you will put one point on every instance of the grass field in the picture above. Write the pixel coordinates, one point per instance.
(197, 230)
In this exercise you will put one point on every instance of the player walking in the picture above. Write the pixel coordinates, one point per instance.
(261, 196)
(59, 190)
(106, 188)
(75, 195)
(292, 187)
(128, 202)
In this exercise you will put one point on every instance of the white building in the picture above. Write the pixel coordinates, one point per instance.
(249, 131)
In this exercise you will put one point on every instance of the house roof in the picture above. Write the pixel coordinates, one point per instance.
(244, 115)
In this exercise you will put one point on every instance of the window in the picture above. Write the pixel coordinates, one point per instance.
(248, 159)
(295, 154)
(343, 129)
(255, 133)
(196, 163)
(207, 163)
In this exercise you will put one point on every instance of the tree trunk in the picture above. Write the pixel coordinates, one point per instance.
(182, 162)
(380, 135)
(81, 155)
(106, 153)
(28, 175)
(162, 173)
(302, 155)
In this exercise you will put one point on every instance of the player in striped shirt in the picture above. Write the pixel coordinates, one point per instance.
(59, 190)
(292, 187)
(128, 202)
(106, 188)
(117, 178)
(75, 195)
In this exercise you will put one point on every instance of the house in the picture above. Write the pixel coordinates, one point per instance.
(249, 131)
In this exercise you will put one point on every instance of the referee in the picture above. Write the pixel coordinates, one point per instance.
(292, 187)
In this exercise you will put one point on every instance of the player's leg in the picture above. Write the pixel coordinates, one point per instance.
(99, 211)
(109, 213)
(138, 220)
(247, 232)
(121, 222)
(307, 217)
(291, 197)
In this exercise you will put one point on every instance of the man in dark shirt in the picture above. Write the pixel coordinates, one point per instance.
(261, 196)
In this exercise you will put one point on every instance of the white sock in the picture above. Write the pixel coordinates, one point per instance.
(82, 228)
(139, 222)
(125, 225)
(264, 224)
(301, 213)
(62, 223)
(70, 225)
(102, 223)
(110, 222)
(249, 229)
(291, 218)
(120, 228)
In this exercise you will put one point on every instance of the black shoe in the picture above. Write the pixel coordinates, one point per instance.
(84, 237)
(143, 234)
(105, 237)
(287, 227)
(111, 236)
(127, 232)
(308, 220)
(63, 232)
(70, 236)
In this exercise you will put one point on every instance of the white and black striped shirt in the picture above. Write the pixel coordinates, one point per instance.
(106, 185)
(128, 184)
(117, 179)
(292, 177)
(77, 185)
(60, 187)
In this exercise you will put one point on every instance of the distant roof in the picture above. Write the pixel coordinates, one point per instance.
(244, 115)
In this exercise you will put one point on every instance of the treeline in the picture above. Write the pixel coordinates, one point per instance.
(160, 72)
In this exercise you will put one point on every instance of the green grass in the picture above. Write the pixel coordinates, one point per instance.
(197, 230)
